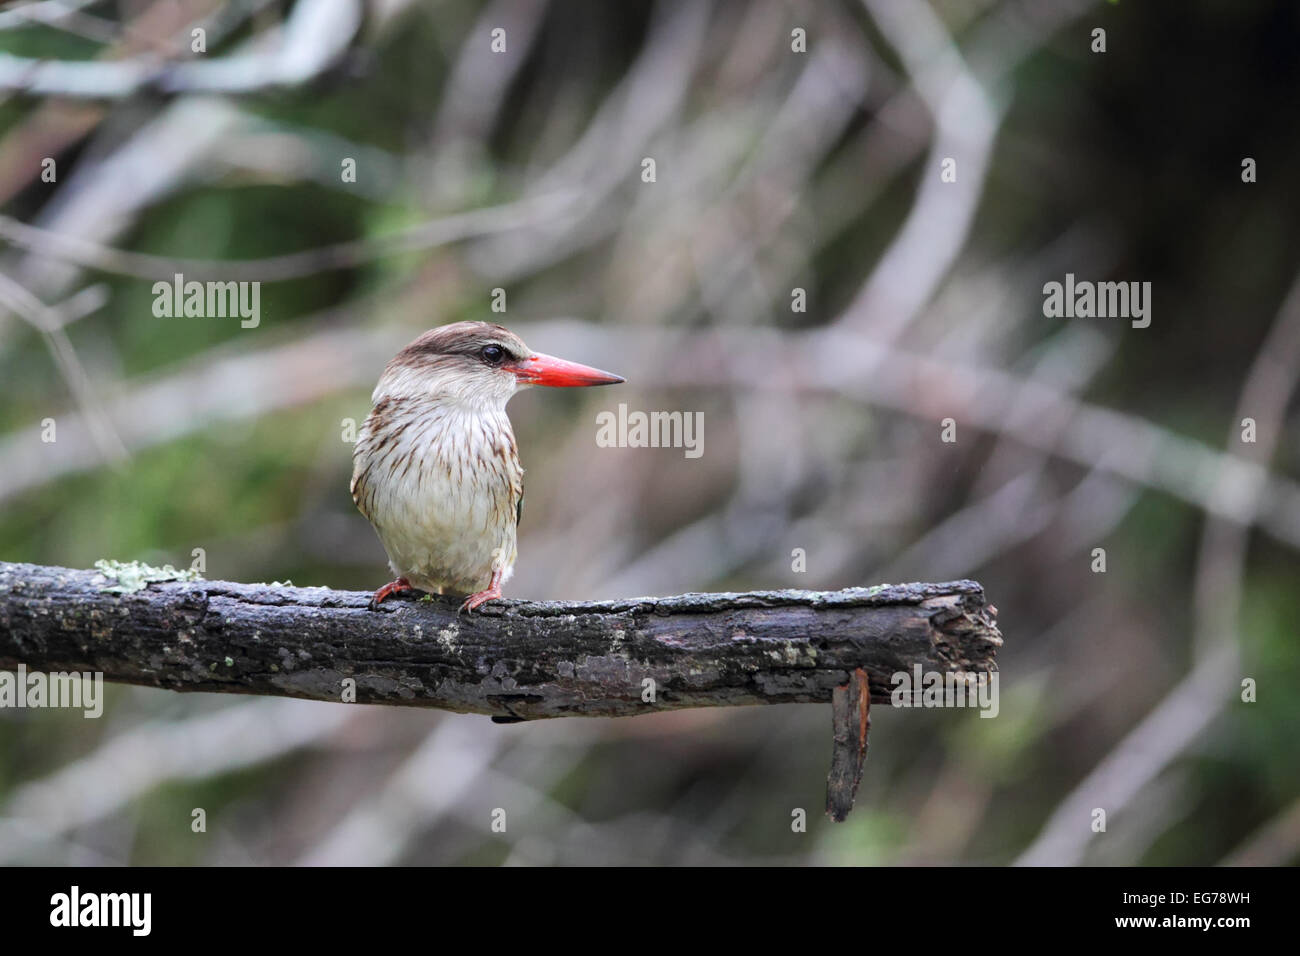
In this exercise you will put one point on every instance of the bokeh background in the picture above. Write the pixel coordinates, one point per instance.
(775, 170)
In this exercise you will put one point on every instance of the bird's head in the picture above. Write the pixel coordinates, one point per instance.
(480, 365)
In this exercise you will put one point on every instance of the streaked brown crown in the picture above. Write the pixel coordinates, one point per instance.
(465, 340)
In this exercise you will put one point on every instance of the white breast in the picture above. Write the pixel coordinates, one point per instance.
(441, 485)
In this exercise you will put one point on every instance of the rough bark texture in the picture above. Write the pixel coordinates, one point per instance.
(510, 659)
(850, 723)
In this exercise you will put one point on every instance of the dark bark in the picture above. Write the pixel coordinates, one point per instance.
(514, 660)
(850, 722)
(510, 659)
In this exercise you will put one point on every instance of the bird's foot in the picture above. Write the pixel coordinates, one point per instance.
(388, 590)
(482, 597)
(491, 593)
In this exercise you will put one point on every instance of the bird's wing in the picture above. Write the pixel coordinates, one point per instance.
(360, 486)
(519, 508)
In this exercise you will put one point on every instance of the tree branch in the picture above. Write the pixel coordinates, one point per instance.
(509, 659)
(513, 660)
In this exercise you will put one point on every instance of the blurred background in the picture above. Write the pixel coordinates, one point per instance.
(779, 165)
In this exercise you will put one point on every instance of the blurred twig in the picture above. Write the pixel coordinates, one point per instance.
(441, 771)
(1180, 719)
(314, 37)
(966, 121)
(343, 255)
(1277, 843)
(126, 766)
(51, 324)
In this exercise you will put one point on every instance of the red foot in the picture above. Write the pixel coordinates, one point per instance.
(492, 593)
(391, 588)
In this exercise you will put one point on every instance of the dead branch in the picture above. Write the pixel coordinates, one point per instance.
(511, 659)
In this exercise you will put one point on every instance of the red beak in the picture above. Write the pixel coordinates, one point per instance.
(539, 369)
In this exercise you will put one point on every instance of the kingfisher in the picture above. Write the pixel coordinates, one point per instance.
(436, 469)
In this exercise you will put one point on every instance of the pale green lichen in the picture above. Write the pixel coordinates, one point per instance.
(132, 576)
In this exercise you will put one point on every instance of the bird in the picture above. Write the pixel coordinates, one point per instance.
(436, 469)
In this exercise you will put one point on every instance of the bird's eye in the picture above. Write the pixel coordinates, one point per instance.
(492, 354)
